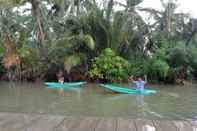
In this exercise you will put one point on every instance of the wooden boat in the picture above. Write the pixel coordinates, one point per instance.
(119, 89)
(65, 85)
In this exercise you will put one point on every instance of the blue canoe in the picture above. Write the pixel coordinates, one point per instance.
(119, 89)
(65, 85)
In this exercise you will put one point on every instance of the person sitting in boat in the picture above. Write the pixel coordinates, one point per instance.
(60, 77)
(139, 83)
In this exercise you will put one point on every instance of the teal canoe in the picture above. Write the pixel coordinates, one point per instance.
(119, 89)
(64, 85)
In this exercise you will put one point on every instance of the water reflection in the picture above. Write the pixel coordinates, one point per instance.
(144, 107)
(140, 99)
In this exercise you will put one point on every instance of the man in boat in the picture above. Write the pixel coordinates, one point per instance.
(139, 83)
(60, 77)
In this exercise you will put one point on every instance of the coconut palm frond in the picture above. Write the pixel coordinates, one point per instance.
(73, 60)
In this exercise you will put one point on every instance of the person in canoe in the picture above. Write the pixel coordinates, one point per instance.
(139, 83)
(60, 77)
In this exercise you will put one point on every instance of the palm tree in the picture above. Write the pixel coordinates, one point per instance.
(72, 34)
(166, 19)
(39, 21)
(115, 29)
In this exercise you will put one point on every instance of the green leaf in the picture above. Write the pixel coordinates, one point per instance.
(71, 61)
(89, 41)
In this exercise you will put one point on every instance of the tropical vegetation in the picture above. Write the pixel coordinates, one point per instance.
(93, 40)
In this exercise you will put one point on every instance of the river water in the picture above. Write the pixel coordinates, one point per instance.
(170, 102)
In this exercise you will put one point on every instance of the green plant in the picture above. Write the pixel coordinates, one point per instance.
(136, 67)
(109, 66)
(156, 69)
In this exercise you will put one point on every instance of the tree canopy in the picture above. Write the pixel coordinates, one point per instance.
(39, 37)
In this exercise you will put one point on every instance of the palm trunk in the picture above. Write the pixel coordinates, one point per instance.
(110, 9)
(78, 7)
(40, 34)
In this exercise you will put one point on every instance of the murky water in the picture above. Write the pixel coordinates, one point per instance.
(91, 100)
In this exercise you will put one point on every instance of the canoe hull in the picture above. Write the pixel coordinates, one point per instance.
(119, 89)
(66, 85)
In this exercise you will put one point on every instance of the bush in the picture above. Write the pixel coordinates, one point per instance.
(136, 67)
(157, 69)
(109, 66)
(182, 60)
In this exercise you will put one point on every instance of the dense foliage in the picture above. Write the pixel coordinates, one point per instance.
(94, 40)
(109, 66)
